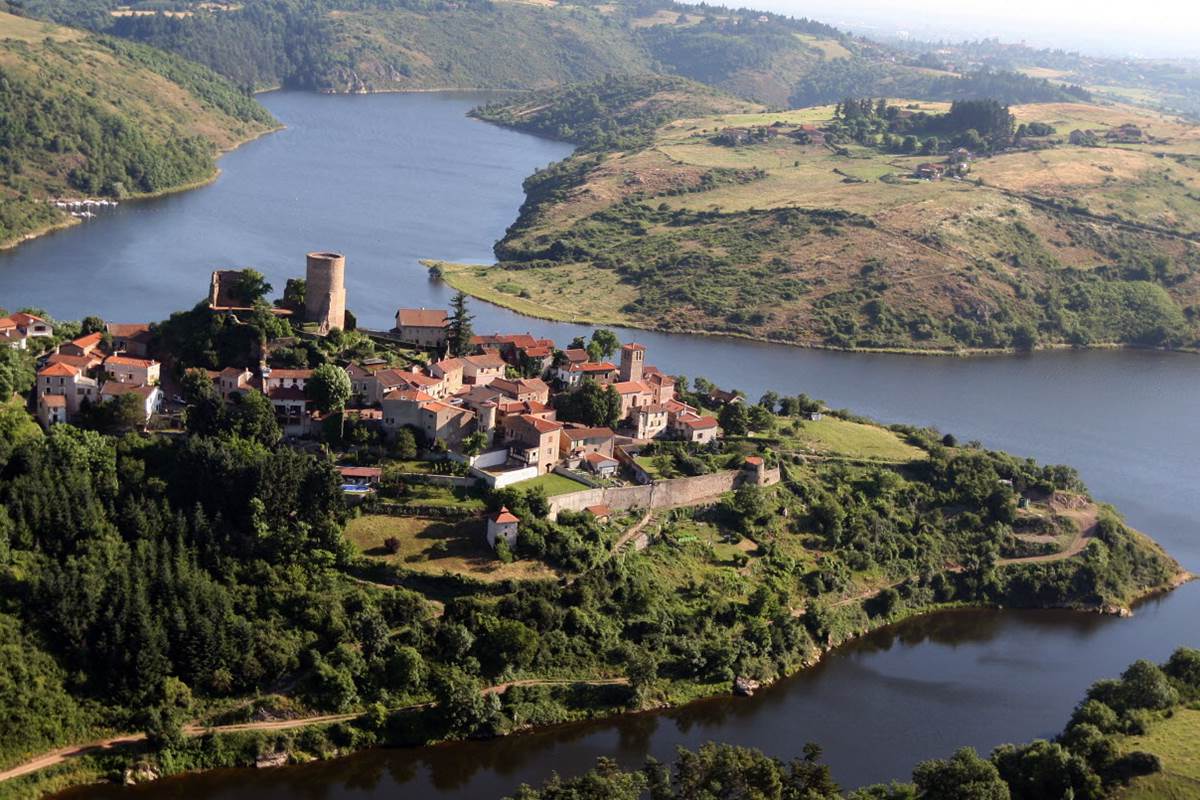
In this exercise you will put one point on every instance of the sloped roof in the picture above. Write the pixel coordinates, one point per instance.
(504, 515)
(421, 317)
(58, 370)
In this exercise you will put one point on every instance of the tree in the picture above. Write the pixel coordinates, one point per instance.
(769, 401)
(458, 328)
(252, 287)
(1043, 769)
(760, 418)
(170, 706)
(251, 415)
(293, 295)
(735, 419)
(604, 343)
(91, 324)
(964, 776)
(205, 410)
(328, 388)
(473, 445)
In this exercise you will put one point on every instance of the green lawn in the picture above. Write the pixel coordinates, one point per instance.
(553, 484)
(1177, 742)
(838, 437)
(435, 546)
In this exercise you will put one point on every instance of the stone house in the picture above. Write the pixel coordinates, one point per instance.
(137, 371)
(532, 441)
(502, 525)
(482, 369)
(424, 327)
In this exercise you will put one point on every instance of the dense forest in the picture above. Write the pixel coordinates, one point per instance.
(1089, 760)
(834, 80)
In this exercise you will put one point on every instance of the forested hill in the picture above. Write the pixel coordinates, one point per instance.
(83, 115)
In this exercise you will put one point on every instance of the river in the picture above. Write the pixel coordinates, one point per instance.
(390, 179)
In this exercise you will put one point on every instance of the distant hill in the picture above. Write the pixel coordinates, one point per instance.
(83, 115)
(1074, 223)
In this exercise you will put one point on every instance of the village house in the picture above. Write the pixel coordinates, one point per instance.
(402, 409)
(424, 327)
(52, 409)
(132, 339)
(10, 333)
(233, 380)
(601, 513)
(450, 372)
(524, 389)
(285, 378)
(649, 421)
(502, 525)
(83, 346)
(151, 396)
(518, 349)
(482, 369)
(361, 379)
(575, 443)
(532, 441)
(690, 427)
(572, 374)
(436, 420)
(32, 327)
(930, 171)
(136, 371)
(69, 382)
(361, 477)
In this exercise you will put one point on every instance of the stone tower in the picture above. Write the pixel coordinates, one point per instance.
(325, 291)
(633, 358)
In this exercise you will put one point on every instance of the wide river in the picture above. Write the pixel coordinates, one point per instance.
(390, 179)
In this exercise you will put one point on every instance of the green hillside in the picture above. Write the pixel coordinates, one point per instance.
(89, 116)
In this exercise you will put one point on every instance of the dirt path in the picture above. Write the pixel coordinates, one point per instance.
(633, 531)
(62, 754)
(1085, 520)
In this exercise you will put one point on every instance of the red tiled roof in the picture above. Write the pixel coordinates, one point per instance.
(79, 362)
(576, 356)
(125, 361)
(54, 400)
(485, 361)
(360, 472)
(598, 459)
(540, 351)
(7, 323)
(631, 387)
(575, 434)
(602, 366)
(599, 511)
(25, 320)
(287, 393)
(232, 372)
(449, 364)
(699, 423)
(754, 461)
(58, 370)
(128, 330)
(421, 317)
(634, 346)
(540, 425)
(115, 388)
(91, 340)
(408, 395)
(290, 373)
(504, 515)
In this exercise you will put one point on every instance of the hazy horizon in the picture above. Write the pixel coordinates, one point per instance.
(1153, 29)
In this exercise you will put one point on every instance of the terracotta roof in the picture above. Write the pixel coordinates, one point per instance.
(504, 515)
(576, 356)
(125, 361)
(420, 379)
(754, 461)
(438, 407)
(290, 373)
(128, 330)
(631, 387)
(232, 372)
(408, 395)
(576, 434)
(541, 351)
(652, 408)
(598, 459)
(25, 320)
(360, 472)
(449, 364)
(522, 407)
(116, 388)
(700, 423)
(392, 377)
(421, 317)
(634, 346)
(53, 400)
(540, 425)
(287, 393)
(91, 340)
(58, 370)
(7, 323)
(79, 362)
(485, 361)
(602, 366)
(599, 511)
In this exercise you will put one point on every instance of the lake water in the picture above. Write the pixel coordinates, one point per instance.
(390, 179)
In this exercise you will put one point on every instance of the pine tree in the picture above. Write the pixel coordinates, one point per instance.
(458, 330)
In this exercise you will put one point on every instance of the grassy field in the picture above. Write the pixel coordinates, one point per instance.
(1177, 742)
(839, 437)
(686, 234)
(554, 484)
(23, 29)
(437, 546)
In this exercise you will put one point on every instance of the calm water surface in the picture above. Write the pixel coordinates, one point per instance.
(390, 179)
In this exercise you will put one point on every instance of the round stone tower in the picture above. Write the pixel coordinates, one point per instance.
(325, 291)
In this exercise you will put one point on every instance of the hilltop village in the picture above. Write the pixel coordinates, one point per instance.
(497, 410)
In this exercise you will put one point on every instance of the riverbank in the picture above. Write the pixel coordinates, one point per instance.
(458, 276)
(240, 744)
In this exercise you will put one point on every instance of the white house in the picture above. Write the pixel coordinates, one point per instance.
(502, 525)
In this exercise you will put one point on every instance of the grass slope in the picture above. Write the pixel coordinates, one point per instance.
(82, 115)
(1177, 742)
(817, 245)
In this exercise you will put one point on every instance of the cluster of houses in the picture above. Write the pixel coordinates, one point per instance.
(956, 165)
(92, 369)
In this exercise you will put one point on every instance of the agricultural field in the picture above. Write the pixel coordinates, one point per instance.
(435, 546)
(771, 234)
